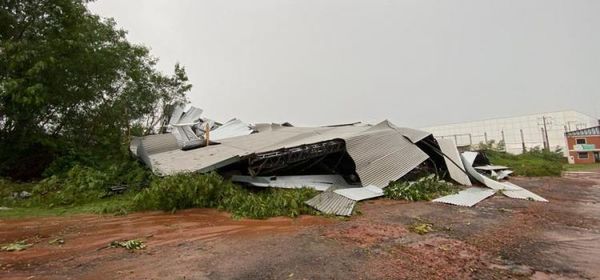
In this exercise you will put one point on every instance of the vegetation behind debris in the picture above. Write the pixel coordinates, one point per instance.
(426, 188)
(72, 89)
(533, 163)
(192, 190)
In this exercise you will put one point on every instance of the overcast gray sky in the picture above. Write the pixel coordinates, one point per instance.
(416, 63)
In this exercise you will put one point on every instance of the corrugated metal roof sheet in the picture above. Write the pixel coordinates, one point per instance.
(176, 115)
(509, 189)
(230, 129)
(585, 132)
(190, 116)
(383, 156)
(151, 145)
(413, 135)
(358, 194)
(521, 193)
(332, 203)
(382, 153)
(452, 159)
(467, 197)
(491, 167)
(468, 158)
(317, 182)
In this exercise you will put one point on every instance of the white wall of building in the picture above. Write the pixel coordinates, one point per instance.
(557, 124)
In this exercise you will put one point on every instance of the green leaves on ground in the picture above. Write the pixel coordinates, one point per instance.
(16, 246)
(86, 190)
(421, 228)
(131, 245)
(426, 188)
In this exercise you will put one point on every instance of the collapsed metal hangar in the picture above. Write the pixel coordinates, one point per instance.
(349, 162)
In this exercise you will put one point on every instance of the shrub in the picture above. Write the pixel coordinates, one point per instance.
(82, 184)
(193, 190)
(426, 188)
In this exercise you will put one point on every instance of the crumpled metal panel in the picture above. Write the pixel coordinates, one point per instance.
(151, 145)
(191, 116)
(383, 156)
(503, 174)
(179, 161)
(230, 129)
(332, 203)
(521, 193)
(491, 167)
(358, 194)
(317, 182)
(468, 158)
(467, 197)
(509, 189)
(176, 115)
(413, 135)
(452, 159)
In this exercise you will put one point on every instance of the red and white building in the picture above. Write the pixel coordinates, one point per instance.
(584, 145)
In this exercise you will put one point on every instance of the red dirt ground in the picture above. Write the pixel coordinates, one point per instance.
(500, 238)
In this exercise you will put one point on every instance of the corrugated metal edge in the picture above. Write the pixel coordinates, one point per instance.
(467, 197)
(332, 203)
(317, 182)
(522, 193)
(383, 155)
(358, 194)
(490, 183)
(452, 158)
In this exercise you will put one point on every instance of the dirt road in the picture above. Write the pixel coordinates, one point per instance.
(500, 238)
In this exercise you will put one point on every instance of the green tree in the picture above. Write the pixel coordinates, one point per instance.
(72, 85)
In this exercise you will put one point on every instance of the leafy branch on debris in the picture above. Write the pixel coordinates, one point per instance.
(425, 188)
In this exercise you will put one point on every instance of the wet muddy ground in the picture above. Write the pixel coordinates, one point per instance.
(500, 238)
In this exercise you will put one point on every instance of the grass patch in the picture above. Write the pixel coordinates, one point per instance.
(58, 196)
(581, 167)
(116, 205)
(534, 163)
(426, 188)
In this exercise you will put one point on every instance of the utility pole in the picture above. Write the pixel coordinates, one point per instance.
(523, 142)
(544, 139)
(503, 140)
(546, 134)
(544, 123)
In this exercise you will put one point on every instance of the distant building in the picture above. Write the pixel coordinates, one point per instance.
(584, 145)
(518, 132)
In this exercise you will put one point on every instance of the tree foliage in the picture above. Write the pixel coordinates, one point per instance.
(72, 85)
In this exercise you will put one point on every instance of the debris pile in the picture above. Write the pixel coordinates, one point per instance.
(348, 162)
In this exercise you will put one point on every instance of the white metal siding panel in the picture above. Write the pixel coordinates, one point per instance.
(358, 194)
(452, 159)
(467, 197)
(521, 193)
(317, 182)
(383, 156)
(332, 203)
